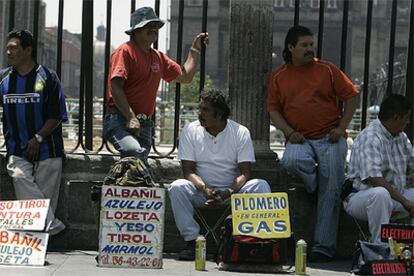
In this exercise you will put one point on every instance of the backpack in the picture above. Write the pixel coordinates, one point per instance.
(129, 171)
(240, 249)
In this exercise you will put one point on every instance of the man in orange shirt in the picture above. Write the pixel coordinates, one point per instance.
(135, 73)
(303, 102)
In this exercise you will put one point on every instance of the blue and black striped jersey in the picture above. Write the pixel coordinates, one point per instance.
(28, 102)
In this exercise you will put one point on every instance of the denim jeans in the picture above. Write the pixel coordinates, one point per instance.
(114, 130)
(321, 165)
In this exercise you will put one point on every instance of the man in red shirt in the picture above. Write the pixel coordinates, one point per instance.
(303, 102)
(136, 70)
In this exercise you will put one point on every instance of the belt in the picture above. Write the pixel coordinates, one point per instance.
(139, 116)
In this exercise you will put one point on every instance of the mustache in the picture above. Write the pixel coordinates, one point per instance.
(310, 53)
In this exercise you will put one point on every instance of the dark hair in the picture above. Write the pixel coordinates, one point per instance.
(26, 39)
(219, 100)
(393, 105)
(292, 38)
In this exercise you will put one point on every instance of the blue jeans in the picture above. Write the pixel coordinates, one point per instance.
(321, 165)
(114, 130)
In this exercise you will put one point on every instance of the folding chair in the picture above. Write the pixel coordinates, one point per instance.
(221, 211)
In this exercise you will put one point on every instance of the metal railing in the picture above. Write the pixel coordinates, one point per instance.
(88, 123)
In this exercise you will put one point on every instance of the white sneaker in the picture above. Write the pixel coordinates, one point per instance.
(56, 227)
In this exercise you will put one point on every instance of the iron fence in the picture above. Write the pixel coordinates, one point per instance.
(82, 132)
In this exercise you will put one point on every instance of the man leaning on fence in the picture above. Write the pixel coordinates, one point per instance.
(134, 76)
(381, 168)
(33, 109)
(216, 156)
(303, 102)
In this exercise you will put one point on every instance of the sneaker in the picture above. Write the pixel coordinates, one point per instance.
(317, 257)
(56, 227)
(188, 253)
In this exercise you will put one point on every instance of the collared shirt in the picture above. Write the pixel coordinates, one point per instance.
(376, 153)
(217, 157)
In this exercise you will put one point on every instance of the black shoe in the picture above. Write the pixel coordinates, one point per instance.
(188, 253)
(317, 257)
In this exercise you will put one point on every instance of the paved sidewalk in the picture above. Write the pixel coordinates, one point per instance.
(82, 263)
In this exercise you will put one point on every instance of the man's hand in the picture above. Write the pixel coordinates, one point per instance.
(200, 38)
(224, 194)
(336, 134)
(409, 206)
(133, 125)
(213, 197)
(296, 138)
(32, 150)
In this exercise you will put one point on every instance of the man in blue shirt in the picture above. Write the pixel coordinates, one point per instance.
(33, 109)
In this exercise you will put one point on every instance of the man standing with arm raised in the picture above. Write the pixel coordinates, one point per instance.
(136, 70)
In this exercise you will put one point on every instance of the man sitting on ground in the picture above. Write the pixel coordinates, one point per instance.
(382, 159)
(216, 156)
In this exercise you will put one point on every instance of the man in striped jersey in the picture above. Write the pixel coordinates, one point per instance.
(33, 109)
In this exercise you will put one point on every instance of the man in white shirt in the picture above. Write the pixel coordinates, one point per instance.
(216, 156)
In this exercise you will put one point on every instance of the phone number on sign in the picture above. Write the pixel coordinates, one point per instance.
(135, 261)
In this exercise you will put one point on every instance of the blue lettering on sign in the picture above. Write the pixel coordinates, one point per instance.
(279, 226)
(137, 227)
(262, 226)
(237, 202)
(128, 249)
(245, 227)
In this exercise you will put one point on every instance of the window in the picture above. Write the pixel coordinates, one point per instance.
(194, 2)
(331, 4)
(279, 3)
(314, 4)
(292, 3)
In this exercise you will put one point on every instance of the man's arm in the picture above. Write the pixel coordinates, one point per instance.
(33, 147)
(395, 194)
(349, 109)
(189, 67)
(189, 171)
(245, 175)
(290, 134)
(119, 97)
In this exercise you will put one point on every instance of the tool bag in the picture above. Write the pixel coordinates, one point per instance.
(241, 249)
(128, 171)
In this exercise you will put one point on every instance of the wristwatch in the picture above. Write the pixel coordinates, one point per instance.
(38, 138)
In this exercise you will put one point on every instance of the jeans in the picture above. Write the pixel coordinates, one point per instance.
(114, 130)
(321, 165)
(184, 196)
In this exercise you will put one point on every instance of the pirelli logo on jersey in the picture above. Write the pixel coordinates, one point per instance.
(21, 98)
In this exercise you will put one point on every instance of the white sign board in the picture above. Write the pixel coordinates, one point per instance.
(24, 214)
(22, 248)
(131, 230)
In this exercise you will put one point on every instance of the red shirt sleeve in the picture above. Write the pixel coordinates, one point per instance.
(171, 69)
(273, 94)
(120, 64)
(343, 86)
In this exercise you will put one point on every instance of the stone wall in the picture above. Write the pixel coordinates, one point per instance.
(80, 214)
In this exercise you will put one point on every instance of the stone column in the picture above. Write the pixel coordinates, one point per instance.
(250, 61)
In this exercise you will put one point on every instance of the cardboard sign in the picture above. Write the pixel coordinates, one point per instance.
(403, 233)
(24, 214)
(22, 248)
(264, 216)
(131, 227)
